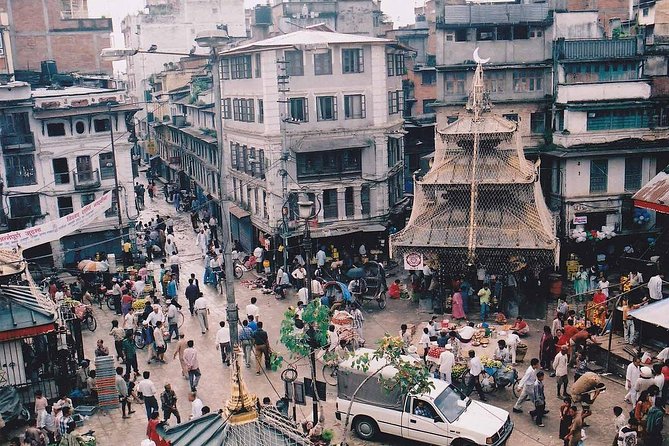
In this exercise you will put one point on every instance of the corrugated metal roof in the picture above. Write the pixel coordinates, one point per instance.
(495, 14)
(655, 192)
(594, 49)
(21, 308)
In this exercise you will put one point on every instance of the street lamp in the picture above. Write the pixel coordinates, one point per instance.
(214, 40)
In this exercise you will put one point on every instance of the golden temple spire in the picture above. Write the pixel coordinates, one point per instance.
(478, 101)
(242, 406)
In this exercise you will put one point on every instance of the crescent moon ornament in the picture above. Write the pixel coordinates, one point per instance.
(478, 59)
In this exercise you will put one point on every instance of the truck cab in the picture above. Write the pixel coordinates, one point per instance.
(444, 416)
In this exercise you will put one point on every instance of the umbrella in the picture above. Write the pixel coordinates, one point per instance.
(94, 267)
(355, 273)
(81, 265)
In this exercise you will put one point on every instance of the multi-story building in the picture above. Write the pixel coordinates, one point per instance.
(58, 30)
(344, 16)
(172, 25)
(326, 119)
(57, 157)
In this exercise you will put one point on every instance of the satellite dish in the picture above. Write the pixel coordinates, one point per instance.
(478, 59)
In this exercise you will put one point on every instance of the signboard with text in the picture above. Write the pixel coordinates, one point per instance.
(581, 220)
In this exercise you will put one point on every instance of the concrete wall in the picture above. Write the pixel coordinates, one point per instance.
(577, 25)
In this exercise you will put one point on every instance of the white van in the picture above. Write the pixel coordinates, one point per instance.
(445, 416)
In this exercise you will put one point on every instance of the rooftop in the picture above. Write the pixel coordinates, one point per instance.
(70, 91)
(597, 49)
(655, 194)
(495, 14)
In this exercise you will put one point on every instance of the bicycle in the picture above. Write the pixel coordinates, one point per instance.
(89, 320)
(330, 371)
(238, 269)
(180, 315)
(491, 380)
(138, 338)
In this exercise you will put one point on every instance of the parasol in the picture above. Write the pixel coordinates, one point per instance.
(355, 273)
(90, 266)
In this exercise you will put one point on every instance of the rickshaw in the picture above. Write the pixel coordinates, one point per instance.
(369, 283)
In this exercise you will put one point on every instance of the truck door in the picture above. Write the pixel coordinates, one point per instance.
(421, 422)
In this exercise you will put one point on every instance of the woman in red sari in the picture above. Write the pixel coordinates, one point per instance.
(152, 432)
(458, 309)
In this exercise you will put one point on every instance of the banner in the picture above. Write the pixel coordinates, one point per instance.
(58, 228)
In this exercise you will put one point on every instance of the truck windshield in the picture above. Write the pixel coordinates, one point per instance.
(447, 403)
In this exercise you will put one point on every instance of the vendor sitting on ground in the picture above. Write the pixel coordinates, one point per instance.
(502, 352)
(467, 332)
(395, 289)
(442, 339)
(521, 327)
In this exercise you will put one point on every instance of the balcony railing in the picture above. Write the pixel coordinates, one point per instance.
(24, 141)
(86, 179)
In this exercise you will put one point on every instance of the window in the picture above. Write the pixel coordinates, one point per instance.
(527, 80)
(395, 64)
(395, 190)
(326, 108)
(256, 201)
(84, 168)
(454, 83)
(521, 32)
(364, 199)
(503, 33)
(633, 174)
(294, 63)
(427, 105)
(352, 60)
(79, 127)
(331, 163)
(536, 33)
(234, 155)
(61, 171)
(227, 108)
(225, 69)
(323, 63)
(113, 210)
(538, 122)
(559, 120)
(348, 202)
(106, 165)
(87, 199)
(101, 125)
(248, 110)
(298, 109)
(25, 206)
(258, 64)
(511, 116)
(485, 33)
(390, 64)
(617, 119)
(645, 12)
(330, 206)
(354, 106)
(395, 102)
(428, 77)
(65, 206)
(240, 67)
(55, 129)
(20, 170)
(394, 151)
(494, 81)
(261, 111)
(599, 174)
(590, 72)
(261, 162)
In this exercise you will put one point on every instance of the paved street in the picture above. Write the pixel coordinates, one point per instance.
(214, 386)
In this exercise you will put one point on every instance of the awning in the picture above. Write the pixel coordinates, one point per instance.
(655, 194)
(90, 110)
(24, 313)
(656, 313)
(311, 144)
(239, 212)
(345, 230)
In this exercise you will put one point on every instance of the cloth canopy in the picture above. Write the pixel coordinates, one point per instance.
(656, 313)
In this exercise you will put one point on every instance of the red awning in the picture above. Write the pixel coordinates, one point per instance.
(654, 195)
(652, 206)
(28, 332)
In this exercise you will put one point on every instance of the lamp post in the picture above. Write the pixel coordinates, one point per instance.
(118, 191)
(305, 212)
(214, 40)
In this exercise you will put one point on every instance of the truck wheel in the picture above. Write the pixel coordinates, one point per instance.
(462, 442)
(365, 428)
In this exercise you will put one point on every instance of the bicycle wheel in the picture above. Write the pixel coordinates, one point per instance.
(110, 301)
(91, 322)
(239, 272)
(180, 319)
(139, 340)
(514, 387)
(488, 383)
(382, 300)
(330, 374)
(221, 286)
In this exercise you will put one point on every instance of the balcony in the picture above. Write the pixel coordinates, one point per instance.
(86, 179)
(18, 142)
(598, 49)
(605, 91)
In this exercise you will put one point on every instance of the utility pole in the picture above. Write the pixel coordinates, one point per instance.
(116, 187)
(283, 81)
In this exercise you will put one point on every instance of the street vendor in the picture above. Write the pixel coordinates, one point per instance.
(467, 332)
(502, 352)
(586, 389)
(520, 327)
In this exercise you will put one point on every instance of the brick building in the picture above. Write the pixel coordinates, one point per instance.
(57, 30)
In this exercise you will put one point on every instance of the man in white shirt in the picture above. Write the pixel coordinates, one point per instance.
(664, 354)
(223, 342)
(560, 363)
(257, 253)
(526, 385)
(172, 321)
(148, 391)
(603, 285)
(655, 286)
(316, 289)
(632, 375)
(253, 310)
(320, 258)
(129, 320)
(424, 342)
(475, 369)
(446, 361)
(159, 341)
(202, 311)
(155, 316)
(512, 341)
(303, 294)
(299, 274)
(195, 405)
(138, 288)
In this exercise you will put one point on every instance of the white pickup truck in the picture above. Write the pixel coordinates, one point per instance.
(445, 416)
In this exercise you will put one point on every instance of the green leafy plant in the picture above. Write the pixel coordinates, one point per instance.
(327, 435)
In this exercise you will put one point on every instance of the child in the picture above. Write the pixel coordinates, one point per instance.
(395, 289)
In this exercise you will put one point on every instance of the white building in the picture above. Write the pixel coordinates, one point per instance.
(333, 129)
(171, 25)
(57, 157)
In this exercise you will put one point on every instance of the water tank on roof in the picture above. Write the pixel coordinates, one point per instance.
(49, 69)
(263, 14)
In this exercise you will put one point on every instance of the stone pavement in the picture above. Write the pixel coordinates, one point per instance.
(214, 386)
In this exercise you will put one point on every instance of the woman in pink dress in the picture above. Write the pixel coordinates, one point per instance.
(458, 310)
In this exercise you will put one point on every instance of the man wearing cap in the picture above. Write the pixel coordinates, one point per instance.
(155, 316)
(645, 380)
(446, 361)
